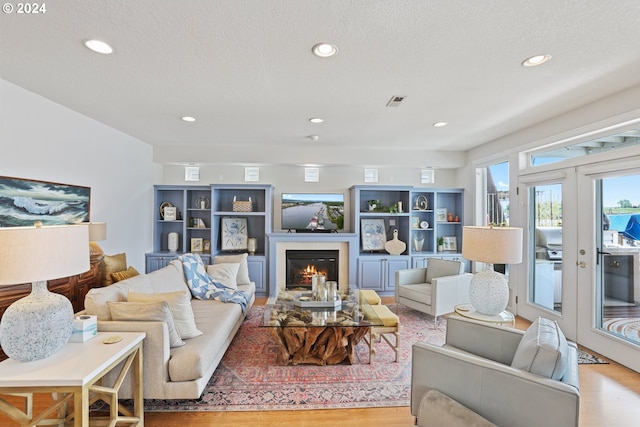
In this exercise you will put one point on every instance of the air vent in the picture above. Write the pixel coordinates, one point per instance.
(395, 101)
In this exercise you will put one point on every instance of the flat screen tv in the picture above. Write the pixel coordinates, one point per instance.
(312, 212)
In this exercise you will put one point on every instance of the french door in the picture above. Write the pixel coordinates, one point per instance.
(582, 269)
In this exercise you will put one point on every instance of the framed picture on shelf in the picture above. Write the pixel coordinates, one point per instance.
(374, 235)
(233, 234)
(415, 222)
(450, 243)
(206, 246)
(196, 244)
(441, 215)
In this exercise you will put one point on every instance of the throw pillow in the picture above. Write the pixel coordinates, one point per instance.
(146, 311)
(543, 350)
(112, 264)
(243, 271)
(226, 273)
(180, 306)
(123, 275)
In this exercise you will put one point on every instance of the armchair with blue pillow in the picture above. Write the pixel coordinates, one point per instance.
(505, 376)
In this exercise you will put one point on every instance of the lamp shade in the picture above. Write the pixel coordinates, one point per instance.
(97, 231)
(31, 254)
(494, 245)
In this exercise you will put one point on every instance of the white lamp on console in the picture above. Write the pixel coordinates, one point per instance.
(489, 290)
(40, 324)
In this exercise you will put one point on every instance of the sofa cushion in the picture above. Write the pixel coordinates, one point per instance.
(147, 311)
(180, 306)
(112, 264)
(123, 275)
(543, 350)
(218, 321)
(225, 273)
(243, 271)
(442, 268)
(168, 279)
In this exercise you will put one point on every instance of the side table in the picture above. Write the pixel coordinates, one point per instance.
(76, 372)
(467, 310)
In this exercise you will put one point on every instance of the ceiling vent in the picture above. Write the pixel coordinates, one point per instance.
(395, 101)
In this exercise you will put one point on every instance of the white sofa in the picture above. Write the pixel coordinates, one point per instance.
(434, 290)
(179, 372)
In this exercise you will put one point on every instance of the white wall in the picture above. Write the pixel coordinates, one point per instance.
(43, 140)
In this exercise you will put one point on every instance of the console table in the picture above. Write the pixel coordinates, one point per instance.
(73, 374)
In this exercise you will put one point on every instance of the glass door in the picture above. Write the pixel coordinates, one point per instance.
(550, 239)
(610, 248)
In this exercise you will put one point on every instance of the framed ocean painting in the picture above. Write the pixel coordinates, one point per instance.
(25, 201)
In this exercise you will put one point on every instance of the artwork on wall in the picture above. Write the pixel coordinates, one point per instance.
(374, 235)
(25, 201)
(234, 234)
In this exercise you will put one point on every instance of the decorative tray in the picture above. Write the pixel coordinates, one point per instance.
(304, 300)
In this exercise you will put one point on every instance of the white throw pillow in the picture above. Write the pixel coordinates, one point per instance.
(226, 273)
(147, 311)
(243, 271)
(543, 350)
(180, 306)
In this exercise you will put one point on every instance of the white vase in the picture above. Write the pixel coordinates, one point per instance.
(36, 326)
(418, 242)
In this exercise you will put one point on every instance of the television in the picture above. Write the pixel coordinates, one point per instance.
(312, 212)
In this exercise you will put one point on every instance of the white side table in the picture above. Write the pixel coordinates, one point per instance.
(74, 373)
(467, 310)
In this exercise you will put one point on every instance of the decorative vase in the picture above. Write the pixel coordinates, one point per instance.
(252, 245)
(440, 248)
(418, 241)
(36, 326)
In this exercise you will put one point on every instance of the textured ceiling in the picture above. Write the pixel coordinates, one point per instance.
(244, 69)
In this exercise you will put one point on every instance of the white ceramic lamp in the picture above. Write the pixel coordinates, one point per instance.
(39, 325)
(489, 290)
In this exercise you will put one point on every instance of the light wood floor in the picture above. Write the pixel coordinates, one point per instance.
(610, 396)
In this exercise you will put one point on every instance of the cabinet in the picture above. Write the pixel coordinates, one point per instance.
(74, 288)
(422, 217)
(200, 214)
(378, 272)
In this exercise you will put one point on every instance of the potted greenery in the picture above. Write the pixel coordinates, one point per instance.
(374, 204)
(440, 244)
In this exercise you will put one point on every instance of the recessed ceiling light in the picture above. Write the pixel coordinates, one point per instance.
(535, 60)
(440, 124)
(316, 120)
(188, 119)
(98, 46)
(324, 50)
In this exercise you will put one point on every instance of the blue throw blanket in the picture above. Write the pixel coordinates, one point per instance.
(204, 287)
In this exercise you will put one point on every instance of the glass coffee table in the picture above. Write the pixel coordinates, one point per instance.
(319, 336)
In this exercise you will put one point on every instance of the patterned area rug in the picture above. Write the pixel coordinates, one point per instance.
(248, 378)
(625, 327)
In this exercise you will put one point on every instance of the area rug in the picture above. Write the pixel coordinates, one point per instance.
(625, 327)
(248, 378)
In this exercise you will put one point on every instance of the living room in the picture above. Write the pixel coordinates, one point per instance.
(45, 138)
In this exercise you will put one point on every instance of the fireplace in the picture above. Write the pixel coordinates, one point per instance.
(303, 264)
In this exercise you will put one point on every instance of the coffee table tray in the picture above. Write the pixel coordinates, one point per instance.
(304, 300)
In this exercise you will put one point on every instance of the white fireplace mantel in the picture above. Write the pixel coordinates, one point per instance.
(279, 243)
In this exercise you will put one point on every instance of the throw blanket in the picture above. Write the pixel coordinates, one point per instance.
(202, 286)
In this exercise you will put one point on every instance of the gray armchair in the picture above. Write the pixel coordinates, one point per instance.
(434, 290)
(474, 369)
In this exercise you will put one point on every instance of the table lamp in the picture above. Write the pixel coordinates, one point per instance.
(97, 233)
(489, 290)
(40, 324)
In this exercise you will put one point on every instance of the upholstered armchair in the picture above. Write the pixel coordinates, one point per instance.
(434, 290)
(508, 377)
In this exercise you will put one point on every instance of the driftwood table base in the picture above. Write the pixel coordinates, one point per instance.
(317, 345)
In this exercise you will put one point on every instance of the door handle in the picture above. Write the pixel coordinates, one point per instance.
(581, 264)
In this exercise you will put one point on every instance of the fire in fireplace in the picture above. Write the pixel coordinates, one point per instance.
(303, 264)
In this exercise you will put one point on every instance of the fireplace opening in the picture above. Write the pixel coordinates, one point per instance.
(303, 264)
